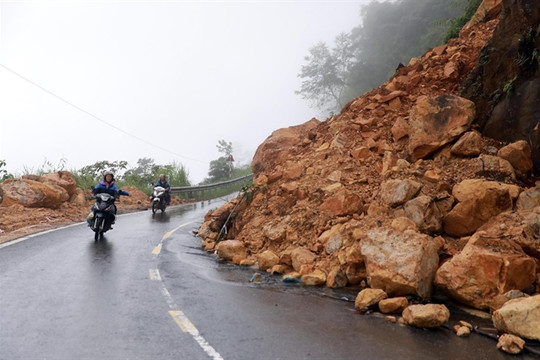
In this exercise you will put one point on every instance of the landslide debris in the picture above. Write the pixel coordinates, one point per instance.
(399, 192)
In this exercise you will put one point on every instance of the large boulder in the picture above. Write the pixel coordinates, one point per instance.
(267, 259)
(230, 250)
(428, 213)
(33, 194)
(437, 121)
(520, 317)
(64, 179)
(332, 239)
(344, 202)
(518, 154)
(398, 192)
(522, 227)
(478, 201)
(400, 262)
(488, 266)
(529, 199)
(469, 145)
(301, 257)
(275, 149)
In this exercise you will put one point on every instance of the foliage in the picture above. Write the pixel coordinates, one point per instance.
(508, 88)
(225, 147)
(527, 52)
(221, 169)
(325, 74)
(142, 176)
(4, 175)
(456, 24)
(45, 168)
(97, 169)
(391, 32)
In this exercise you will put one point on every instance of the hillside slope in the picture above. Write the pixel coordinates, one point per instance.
(398, 192)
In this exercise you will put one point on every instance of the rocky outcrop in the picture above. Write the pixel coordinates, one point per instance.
(505, 85)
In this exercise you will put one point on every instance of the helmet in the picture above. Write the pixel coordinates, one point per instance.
(162, 176)
(108, 173)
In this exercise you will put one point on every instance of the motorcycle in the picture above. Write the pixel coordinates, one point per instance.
(158, 199)
(103, 212)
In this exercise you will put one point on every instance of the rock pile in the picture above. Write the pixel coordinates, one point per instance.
(399, 191)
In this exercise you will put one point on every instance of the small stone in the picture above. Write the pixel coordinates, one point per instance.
(510, 344)
(369, 297)
(463, 331)
(466, 324)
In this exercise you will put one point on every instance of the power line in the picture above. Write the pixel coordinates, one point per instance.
(99, 119)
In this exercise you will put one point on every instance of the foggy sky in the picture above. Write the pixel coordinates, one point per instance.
(123, 80)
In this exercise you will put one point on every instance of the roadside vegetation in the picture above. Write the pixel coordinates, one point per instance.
(143, 174)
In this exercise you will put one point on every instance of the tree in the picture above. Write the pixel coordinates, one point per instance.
(143, 175)
(146, 173)
(225, 147)
(221, 168)
(325, 74)
(391, 32)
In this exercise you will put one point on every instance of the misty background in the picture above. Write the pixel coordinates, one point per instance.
(83, 82)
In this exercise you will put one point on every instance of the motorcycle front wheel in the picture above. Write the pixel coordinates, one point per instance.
(98, 226)
(154, 207)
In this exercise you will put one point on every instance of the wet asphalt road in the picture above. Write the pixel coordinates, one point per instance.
(148, 291)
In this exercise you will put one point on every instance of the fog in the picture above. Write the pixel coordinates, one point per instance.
(86, 81)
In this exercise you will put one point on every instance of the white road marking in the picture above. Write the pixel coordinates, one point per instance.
(154, 275)
(187, 326)
(182, 320)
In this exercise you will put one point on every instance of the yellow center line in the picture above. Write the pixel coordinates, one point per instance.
(183, 322)
(176, 228)
(157, 249)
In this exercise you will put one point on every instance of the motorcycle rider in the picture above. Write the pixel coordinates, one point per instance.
(106, 185)
(164, 184)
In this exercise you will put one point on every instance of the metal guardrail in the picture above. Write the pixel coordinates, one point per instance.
(217, 189)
